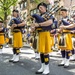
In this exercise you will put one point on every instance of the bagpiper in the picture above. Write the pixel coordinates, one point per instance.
(16, 25)
(65, 41)
(72, 57)
(44, 43)
(2, 37)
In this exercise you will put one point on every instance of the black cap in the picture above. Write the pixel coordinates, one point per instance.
(64, 9)
(15, 11)
(42, 4)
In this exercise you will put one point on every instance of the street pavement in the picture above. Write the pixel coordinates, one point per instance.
(28, 65)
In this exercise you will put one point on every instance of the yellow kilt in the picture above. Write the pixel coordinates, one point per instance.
(17, 39)
(44, 42)
(68, 42)
(2, 41)
(52, 40)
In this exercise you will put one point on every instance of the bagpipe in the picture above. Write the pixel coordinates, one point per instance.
(53, 10)
(14, 21)
(40, 19)
(66, 23)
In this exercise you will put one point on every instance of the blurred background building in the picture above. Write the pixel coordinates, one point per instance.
(28, 7)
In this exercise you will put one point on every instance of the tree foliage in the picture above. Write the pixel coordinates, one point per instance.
(37, 1)
(5, 8)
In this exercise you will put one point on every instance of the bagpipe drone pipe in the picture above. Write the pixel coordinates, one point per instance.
(40, 19)
(52, 11)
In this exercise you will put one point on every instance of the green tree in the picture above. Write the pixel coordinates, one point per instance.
(5, 8)
(37, 1)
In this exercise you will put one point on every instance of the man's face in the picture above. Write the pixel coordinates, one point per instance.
(63, 13)
(15, 14)
(42, 9)
(0, 23)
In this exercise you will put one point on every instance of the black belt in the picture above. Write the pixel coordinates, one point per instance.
(66, 33)
(73, 36)
(1, 33)
(16, 30)
(42, 30)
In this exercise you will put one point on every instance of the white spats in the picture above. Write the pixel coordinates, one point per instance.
(62, 62)
(42, 68)
(66, 63)
(46, 70)
(15, 58)
(37, 55)
(72, 57)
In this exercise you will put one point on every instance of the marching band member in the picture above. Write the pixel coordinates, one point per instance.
(34, 44)
(2, 38)
(6, 37)
(53, 32)
(65, 41)
(34, 39)
(44, 43)
(67, 27)
(16, 26)
(72, 58)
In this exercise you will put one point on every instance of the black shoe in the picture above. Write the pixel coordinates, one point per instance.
(66, 66)
(37, 58)
(60, 64)
(15, 61)
(10, 60)
(45, 74)
(38, 72)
